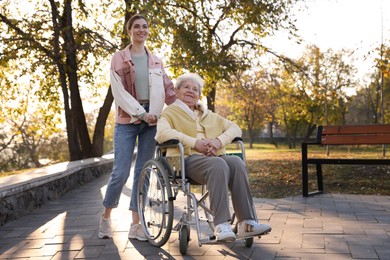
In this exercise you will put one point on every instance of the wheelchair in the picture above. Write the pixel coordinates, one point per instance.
(159, 184)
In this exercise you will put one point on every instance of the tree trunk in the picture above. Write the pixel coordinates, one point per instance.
(34, 155)
(310, 130)
(271, 134)
(251, 138)
(98, 135)
(104, 111)
(80, 129)
(59, 23)
(294, 136)
(211, 99)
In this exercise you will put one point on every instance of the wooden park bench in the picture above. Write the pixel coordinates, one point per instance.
(342, 135)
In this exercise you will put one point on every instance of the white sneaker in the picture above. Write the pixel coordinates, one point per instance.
(250, 228)
(136, 232)
(224, 232)
(105, 228)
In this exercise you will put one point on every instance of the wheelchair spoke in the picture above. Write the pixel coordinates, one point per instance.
(153, 193)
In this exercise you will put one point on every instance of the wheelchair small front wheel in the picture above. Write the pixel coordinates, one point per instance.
(248, 241)
(155, 203)
(184, 238)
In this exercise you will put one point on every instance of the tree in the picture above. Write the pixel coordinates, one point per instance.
(27, 122)
(245, 96)
(209, 37)
(68, 43)
(383, 66)
(291, 112)
(311, 91)
(67, 54)
(327, 76)
(362, 109)
(366, 105)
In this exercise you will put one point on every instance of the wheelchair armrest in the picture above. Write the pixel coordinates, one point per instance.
(175, 141)
(169, 142)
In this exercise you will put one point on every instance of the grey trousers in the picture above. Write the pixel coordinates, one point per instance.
(221, 174)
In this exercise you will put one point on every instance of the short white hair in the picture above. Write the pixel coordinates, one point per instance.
(190, 76)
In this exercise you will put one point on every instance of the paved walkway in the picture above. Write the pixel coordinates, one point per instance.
(325, 226)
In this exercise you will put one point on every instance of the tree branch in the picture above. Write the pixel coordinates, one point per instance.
(26, 36)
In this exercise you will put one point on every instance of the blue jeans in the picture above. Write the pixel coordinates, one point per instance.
(125, 137)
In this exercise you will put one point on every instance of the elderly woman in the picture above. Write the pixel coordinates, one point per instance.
(204, 135)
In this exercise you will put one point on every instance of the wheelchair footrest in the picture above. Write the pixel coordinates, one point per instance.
(212, 240)
(204, 220)
(208, 240)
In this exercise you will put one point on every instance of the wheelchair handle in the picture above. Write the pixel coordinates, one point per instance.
(236, 139)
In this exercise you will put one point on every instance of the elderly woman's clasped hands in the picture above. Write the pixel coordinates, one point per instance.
(208, 147)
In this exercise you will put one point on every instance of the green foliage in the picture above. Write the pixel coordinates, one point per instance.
(383, 76)
(210, 37)
(65, 46)
(28, 123)
(312, 91)
(366, 105)
(245, 96)
(65, 63)
(294, 95)
(52, 48)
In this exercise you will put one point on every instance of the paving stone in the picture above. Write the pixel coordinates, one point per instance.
(363, 251)
(383, 252)
(90, 252)
(336, 245)
(316, 241)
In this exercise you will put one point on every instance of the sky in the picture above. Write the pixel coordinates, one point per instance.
(358, 25)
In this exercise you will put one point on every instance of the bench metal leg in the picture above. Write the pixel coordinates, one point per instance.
(320, 183)
(305, 177)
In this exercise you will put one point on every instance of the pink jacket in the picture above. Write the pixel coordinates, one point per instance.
(161, 88)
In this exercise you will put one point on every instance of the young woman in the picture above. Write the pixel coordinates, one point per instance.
(140, 88)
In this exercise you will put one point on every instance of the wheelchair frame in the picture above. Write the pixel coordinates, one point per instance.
(158, 187)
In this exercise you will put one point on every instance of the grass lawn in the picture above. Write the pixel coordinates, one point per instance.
(276, 172)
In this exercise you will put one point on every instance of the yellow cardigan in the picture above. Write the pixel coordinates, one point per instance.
(176, 122)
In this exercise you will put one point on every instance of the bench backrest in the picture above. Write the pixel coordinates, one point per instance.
(354, 134)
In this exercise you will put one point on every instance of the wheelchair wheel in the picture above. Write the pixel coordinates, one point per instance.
(155, 203)
(248, 241)
(184, 238)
